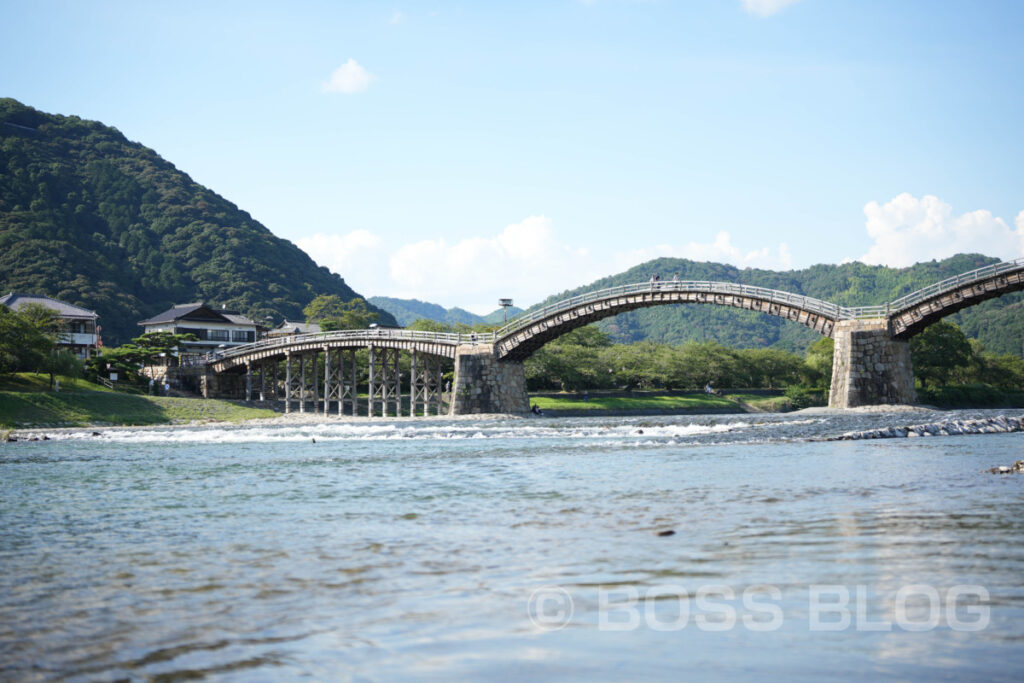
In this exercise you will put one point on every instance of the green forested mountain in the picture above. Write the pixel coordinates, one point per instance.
(407, 311)
(410, 310)
(998, 323)
(500, 316)
(96, 220)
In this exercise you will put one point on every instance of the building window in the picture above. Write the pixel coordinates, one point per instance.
(199, 333)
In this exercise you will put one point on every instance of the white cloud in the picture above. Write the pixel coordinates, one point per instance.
(356, 256)
(397, 17)
(525, 261)
(906, 230)
(766, 8)
(720, 250)
(348, 79)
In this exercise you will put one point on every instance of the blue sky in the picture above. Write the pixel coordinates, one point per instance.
(461, 152)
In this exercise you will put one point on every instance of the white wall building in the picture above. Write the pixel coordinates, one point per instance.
(213, 328)
(79, 333)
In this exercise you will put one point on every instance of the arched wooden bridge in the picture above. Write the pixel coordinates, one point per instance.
(893, 322)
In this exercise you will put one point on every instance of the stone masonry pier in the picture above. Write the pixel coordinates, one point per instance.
(869, 366)
(484, 384)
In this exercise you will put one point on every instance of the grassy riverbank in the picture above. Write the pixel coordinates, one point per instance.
(970, 396)
(663, 402)
(81, 404)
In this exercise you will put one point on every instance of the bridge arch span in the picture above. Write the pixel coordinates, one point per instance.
(430, 343)
(523, 337)
(911, 314)
(322, 369)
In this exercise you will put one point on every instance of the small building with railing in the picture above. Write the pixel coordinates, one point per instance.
(79, 332)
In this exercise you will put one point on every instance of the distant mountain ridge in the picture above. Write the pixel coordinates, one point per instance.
(407, 311)
(96, 220)
(998, 323)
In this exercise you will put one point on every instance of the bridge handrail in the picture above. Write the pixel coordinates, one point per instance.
(967, 278)
(349, 335)
(806, 303)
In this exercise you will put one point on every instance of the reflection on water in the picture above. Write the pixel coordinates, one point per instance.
(397, 549)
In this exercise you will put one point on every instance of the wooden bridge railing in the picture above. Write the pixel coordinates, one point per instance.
(968, 278)
(379, 334)
(807, 303)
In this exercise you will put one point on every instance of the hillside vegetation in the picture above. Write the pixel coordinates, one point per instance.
(96, 220)
(408, 311)
(998, 324)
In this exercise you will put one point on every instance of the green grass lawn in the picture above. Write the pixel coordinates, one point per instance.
(79, 409)
(692, 402)
(695, 402)
(25, 401)
(768, 404)
(30, 381)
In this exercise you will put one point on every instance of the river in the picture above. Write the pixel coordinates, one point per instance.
(735, 546)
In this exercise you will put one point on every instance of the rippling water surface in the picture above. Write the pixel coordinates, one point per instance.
(511, 548)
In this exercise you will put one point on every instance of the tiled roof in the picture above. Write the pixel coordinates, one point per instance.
(174, 313)
(292, 327)
(180, 311)
(236, 318)
(15, 300)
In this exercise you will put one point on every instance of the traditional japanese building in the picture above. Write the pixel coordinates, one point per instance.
(79, 332)
(213, 328)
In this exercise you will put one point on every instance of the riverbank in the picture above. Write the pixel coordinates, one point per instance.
(35, 413)
(661, 403)
(26, 403)
(35, 409)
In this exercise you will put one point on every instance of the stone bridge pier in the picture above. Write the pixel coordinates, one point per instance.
(484, 384)
(869, 366)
